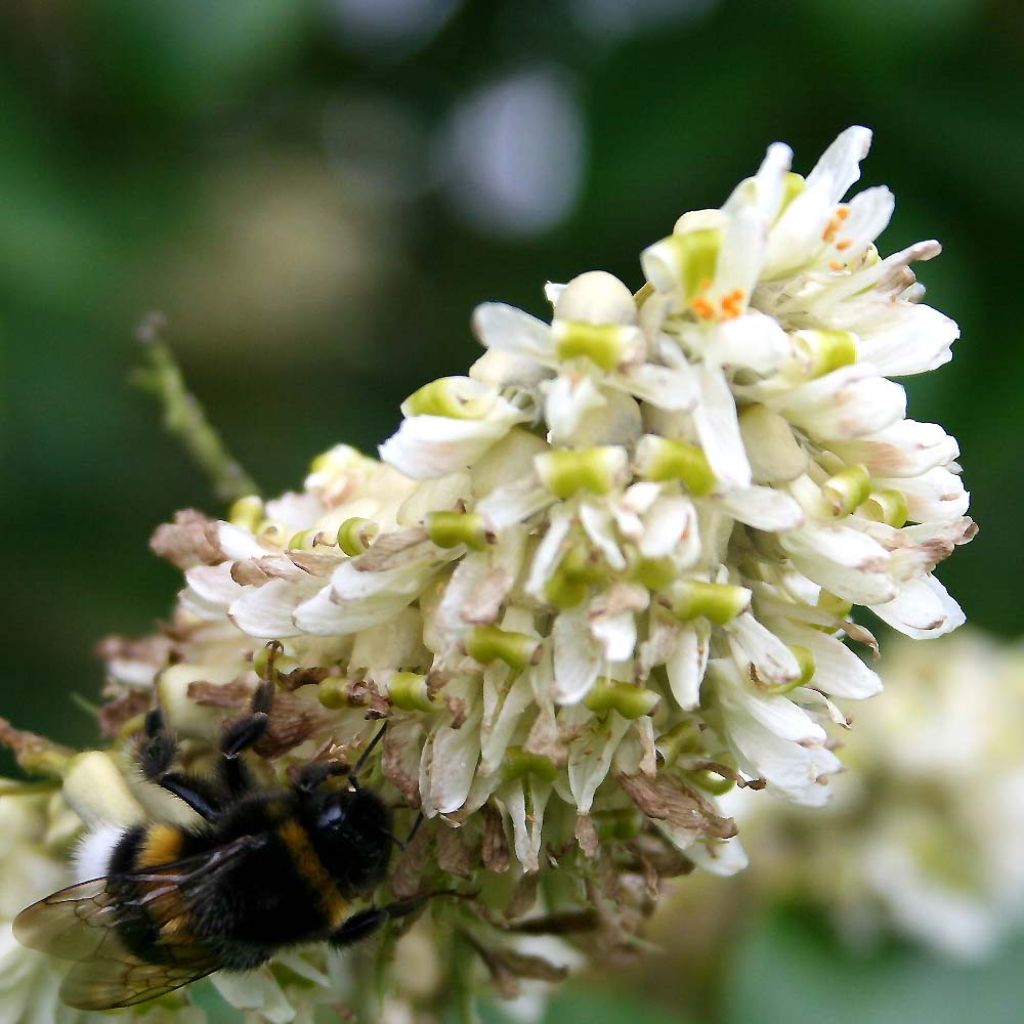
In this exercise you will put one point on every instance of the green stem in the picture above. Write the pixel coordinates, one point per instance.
(463, 1000)
(184, 416)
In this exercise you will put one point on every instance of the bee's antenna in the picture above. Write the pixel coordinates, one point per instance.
(353, 775)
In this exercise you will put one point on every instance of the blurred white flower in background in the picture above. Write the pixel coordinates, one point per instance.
(925, 836)
(512, 154)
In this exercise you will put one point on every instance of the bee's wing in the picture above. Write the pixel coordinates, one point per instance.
(124, 980)
(84, 923)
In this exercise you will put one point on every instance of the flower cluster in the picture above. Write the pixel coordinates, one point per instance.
(603, 578)
(925, 836)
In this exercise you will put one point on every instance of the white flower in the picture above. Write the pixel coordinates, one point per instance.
(650, 514)
(607, 575)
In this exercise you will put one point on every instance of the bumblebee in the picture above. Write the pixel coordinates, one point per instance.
(263, 870)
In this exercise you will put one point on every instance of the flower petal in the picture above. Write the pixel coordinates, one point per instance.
(686, 665)
(848, 402)
(578, 657)
(763, 508)
(910, 338)
(753, 341)
(590, 757)
(922, 610)
(432, 446)
(760, 654)
(267, 612)
(905, 449)
(719, 430)
(499, 326)
(839, 165)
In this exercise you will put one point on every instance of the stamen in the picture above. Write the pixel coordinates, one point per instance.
(703, 308)
(731, 304)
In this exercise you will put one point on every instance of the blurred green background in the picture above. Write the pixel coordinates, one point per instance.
(317, 192)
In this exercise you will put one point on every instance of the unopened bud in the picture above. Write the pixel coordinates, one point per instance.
(410, 692)
(517, 650)
(661, 458)
(450, 529)
(887, 506)
(628, 700)
(843, 492)
(356, 534)
(819, 352)
(605, 345)
(593, 470)
(246, 512)
(457, 398)
(719, 602)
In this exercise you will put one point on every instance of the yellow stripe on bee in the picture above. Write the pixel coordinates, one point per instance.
(177, 930)
(313, 872)
(161, 845)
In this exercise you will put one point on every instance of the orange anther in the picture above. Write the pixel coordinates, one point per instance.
(836, 264)
(843, 244)
(731, 304)
(843, 212)
(703, 308)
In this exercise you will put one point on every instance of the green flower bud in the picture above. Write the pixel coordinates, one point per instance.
(628, 700)
(356, 534)
(820, 352)
(843, 492)
(684, 738)
(447, 397)
(335, 692)
(593, 470)
(834, 605)
(489, 643)
(887, 506)
(719, 602)
(689, 259)
(409, 691)
(661, 458)
(246, 512)
(605, 345)
(654, 573)
(450, 529)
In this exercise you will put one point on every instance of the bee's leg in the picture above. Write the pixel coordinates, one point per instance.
(242, 734)
(318, 772)
(315, 774)
(156, 754)
(420, 818)
(360, 925)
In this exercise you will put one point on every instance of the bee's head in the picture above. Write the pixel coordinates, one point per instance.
(351, 830)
